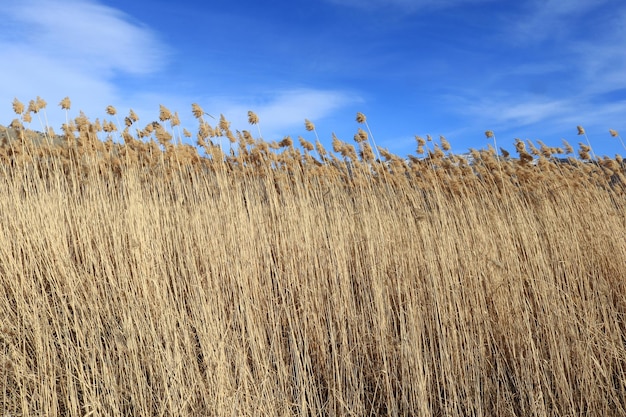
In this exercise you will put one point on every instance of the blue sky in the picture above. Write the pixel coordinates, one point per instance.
(533, 69)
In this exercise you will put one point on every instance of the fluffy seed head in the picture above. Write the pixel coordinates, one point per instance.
(366, 153)
(584, 155)
(613, 133)
(41, 103)
(18, 107)
(489, 133)
(545, 150)
(108, 127)
(111, 111)
(581, 131)
(386, 154)
(197, 110)
(445, 145)
(32, 107)
(97, 127)
(305, 144)
(68, 129)
(568, 147)
(361, 136)
(133, 116)
(337, 144)
(252, 118)
(205, 130)
(273, 145)
(286, 142)
(162, 135)
(224, 124)
(16, 124)
(65, 103)
(309, 125)
(360, 117)
(82, 121)
(348, 151)
(320, 149)
(164, 113)
(438, 153)
(248, 137)
(533, 149)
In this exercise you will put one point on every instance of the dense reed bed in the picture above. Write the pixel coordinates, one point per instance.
(140, 276)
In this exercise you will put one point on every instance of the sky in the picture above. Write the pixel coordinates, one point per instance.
(528, 69)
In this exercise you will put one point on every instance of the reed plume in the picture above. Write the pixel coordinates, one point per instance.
(18, 107)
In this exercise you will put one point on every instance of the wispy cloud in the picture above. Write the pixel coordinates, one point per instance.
(74, 48)
(404, 5)
(540, 20)
(602, 60)
(84, 33)
(546, 118)
(284, 111)
(503, 111)
(577, 76)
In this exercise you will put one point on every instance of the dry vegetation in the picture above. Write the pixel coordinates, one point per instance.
(140, 276)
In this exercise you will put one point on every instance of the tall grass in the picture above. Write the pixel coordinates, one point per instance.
(150, 278)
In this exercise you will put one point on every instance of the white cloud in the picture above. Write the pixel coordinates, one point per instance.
(518, 111)
(83, 33)
(74, 48)
(283, 111)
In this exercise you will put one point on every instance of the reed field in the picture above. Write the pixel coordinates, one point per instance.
(143, 276)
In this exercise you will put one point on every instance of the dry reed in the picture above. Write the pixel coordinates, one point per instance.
(147, 277)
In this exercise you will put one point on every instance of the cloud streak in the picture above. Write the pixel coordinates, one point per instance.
(542, 20)
(404, 5)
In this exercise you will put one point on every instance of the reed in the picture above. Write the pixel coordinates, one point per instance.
(150, 277)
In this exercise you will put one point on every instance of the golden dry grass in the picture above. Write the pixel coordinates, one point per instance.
(154, 278)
